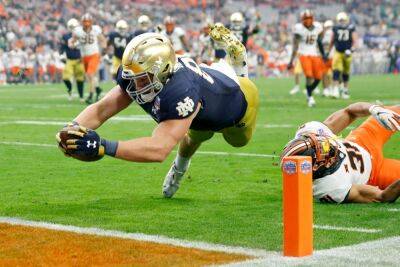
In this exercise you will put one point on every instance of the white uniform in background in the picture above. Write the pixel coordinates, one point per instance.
(88, 41)
(355, 168)
(326, 42)
(308, 42)
(175, 38)
(16, 58)
(206, 50)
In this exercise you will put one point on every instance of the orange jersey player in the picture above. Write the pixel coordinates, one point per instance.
(352, 169)
(307, 43)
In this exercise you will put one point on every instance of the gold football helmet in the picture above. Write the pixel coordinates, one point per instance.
(342, 18)
(148, 61)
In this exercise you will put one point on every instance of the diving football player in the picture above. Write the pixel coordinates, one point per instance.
(189, 102)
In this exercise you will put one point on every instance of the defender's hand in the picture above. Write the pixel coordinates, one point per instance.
(390, 120)
(290, 65)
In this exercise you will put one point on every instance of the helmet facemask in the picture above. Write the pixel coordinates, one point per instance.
(143, 87)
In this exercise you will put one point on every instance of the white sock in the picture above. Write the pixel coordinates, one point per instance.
(181, 163)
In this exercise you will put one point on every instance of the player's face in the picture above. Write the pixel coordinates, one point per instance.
(308, 21)
(169, 27)
(87, 24)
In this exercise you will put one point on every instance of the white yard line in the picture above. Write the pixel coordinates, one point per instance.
(382, 252)
(394, 210)
(137, 236)
(347, 229)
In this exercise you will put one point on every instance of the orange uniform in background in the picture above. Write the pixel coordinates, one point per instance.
(313, 66)
(91, 63)
(372, 136)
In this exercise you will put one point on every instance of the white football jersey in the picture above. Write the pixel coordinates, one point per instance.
(30, 61)
(175, 38)
(88, 41)
(16, 58)
(355, 168)
(326, 41)
(308, 38)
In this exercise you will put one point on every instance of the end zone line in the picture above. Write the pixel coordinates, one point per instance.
(139, 237)
(215, 153)
(346, 229)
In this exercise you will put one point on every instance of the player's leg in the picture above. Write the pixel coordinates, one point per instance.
(337, 66)
(79, 74)
(116, 62)
(307, 66)
(67, 77)
(236, 51)
(91, 75)
(346, 76)
(297, 73)
(388, 173)
(327, 79)
(241, 133)
(187, 147)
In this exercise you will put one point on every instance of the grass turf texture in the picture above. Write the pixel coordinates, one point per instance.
(224, 199)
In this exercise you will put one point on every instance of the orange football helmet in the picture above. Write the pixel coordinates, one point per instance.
(307, 18)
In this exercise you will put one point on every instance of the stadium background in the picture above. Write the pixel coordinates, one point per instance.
(37, 26)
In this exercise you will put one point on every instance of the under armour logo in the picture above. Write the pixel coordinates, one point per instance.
(91, 144)
(185, 107)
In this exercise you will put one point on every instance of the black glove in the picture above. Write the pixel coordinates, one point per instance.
(290, 65)
(87, 144)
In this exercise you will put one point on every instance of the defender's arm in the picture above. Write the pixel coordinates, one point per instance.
(370, 194)
(339, 120)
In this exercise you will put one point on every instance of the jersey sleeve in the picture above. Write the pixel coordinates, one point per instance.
(331, 188)
(180, 31)
(97, 29)
(297, 29)
(314, 127)
(179, 105)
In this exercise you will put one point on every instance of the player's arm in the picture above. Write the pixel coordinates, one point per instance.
(296, 41)
(157, 147)
(332, 42)
(102, 41)
(96, 114)
(321, 45)
(73, 41)
(370, 194)
(184, 43)
(354, 39)
(339, 120)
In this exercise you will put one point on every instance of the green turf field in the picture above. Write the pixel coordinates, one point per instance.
(233, 199)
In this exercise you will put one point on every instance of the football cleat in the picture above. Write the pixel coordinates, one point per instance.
(335, 92)
(326, 92)
(317, 91)
(311, 102)
(223, 36)
(295, 90)
(345, 94)
(172, 181)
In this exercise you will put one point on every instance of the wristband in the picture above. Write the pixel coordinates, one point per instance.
(110, 147)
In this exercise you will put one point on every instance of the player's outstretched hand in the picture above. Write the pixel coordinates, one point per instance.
(290, 65)
(390, 120)
(80, 143)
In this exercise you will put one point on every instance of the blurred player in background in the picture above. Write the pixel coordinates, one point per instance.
(3, 63)
(16, 61)
(144, 24)
(118, 40)
(30, 63)
(206, 53)
(307, 43)
(241, 29)
(326, 41)
(73, 69)
(176, 35)
(90, 39)
(344, 39)
(297, 71)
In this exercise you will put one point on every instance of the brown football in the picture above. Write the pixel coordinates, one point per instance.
(64, 136)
